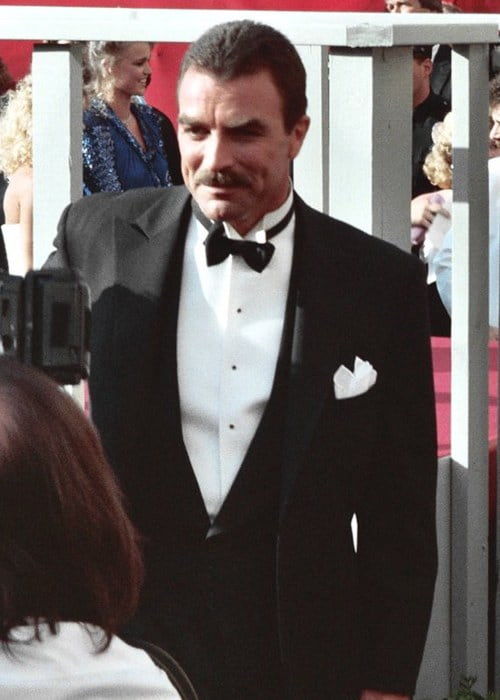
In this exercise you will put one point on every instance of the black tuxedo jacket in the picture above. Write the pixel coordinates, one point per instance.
(347, 619)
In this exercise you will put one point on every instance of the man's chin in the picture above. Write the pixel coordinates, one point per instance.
(216, 209)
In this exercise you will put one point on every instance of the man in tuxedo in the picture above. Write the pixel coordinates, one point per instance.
(260, 375)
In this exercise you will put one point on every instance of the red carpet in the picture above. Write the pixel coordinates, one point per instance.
(441, 354)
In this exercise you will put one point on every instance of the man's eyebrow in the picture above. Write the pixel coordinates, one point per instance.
(185, 119)
(257, 124)
(252, 124)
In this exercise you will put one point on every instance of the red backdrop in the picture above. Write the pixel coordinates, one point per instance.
(165, 59)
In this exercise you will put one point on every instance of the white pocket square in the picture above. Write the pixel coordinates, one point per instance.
(347, 384)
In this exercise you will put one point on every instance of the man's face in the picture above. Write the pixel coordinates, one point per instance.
(495, 131)
(422, 69)
(235, 150)
(403, 6)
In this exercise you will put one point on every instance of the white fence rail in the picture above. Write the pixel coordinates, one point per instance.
(356, 165)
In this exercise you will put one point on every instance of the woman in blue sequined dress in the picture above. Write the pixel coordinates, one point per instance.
(126, 142)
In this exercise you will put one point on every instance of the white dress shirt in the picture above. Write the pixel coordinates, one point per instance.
(228, 338)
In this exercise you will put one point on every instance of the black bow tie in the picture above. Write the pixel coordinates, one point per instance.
(218, 246)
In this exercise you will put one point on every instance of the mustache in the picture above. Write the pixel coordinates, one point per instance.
(227, 178)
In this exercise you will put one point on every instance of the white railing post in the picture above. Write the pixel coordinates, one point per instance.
(57, 138)
(469, 406)
(311, 172)
(370, 147)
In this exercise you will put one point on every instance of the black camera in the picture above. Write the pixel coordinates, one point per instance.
(45, 322)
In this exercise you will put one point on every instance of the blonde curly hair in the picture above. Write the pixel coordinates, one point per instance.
(438, 165)
(16, 128)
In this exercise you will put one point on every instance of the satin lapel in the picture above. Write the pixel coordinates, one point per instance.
(319, 341)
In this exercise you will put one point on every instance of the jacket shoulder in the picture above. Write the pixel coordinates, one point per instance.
(132, 202)
(339, 239)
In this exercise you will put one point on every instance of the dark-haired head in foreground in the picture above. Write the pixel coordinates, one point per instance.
(68, 551)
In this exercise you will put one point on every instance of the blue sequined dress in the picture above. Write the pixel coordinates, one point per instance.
(113, 159)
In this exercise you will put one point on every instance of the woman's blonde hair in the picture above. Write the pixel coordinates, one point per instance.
(98, 56)
(438, 164)
(16, 128)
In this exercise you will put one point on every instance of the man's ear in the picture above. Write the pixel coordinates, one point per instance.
(297, 136)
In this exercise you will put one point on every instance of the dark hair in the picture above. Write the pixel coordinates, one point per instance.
(450, 8)
(233, 49)
(494, 88)
(432, 5)
(422, 52)
(6, 80)
(68, 551)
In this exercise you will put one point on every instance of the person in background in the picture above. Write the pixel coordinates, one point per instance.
(443, 259)
(252, 384)
(433, 214)
(494, 147)
(70, 565)
(441, 53)
(16, 163)
(451, 8)
(404, 6)
(428, 108)
(126, 143)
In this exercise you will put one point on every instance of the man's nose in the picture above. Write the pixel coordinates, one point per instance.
(218, 155)
(495, 131)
